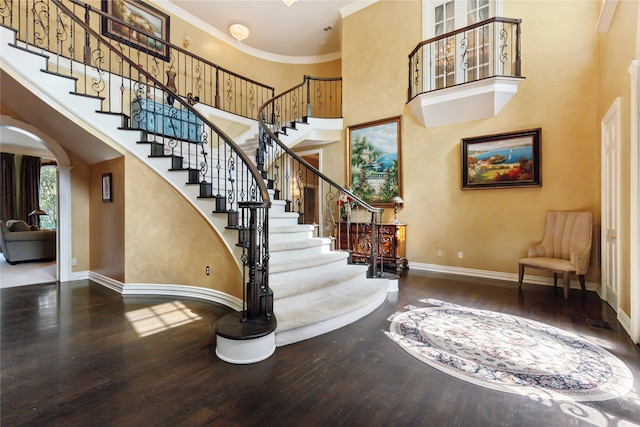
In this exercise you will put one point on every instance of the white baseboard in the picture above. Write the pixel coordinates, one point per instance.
(173, 290)
(496, 275)
(79, 275)
(625, 321)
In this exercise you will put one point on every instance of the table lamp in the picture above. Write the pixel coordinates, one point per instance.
(397, 202)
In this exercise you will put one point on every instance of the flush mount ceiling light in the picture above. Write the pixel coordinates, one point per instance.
(289, 2)
(239, 31)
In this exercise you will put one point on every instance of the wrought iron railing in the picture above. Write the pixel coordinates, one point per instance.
(317, 199)
(193, 77)
(113, 73)
(487, 49)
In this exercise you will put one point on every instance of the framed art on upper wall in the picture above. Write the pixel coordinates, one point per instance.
(143, 27)
(502, 160)
(374, 172)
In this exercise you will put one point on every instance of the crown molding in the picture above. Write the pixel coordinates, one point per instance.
(606, 15)
(356, 6)
(226, 38)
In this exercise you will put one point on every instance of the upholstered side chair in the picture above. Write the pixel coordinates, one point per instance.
(565, 248)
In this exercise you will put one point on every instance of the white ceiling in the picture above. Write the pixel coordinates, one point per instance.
(293, 33)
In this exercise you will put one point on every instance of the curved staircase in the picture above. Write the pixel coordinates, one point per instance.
(315, 289)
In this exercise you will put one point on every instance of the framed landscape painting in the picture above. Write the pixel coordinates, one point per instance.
(503, 160)
(140, 19)
(374, 172)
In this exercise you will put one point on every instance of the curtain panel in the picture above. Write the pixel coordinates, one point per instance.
(7, 187)
(30, 184)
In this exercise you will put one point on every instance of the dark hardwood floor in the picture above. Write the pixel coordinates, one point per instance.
(78, 354)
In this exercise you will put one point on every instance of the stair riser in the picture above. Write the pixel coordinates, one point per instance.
(295, 254)
(287, 237)
(282, 222)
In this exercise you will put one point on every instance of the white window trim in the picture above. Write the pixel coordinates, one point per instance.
(425, 14)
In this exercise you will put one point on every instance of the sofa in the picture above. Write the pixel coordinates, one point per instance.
(22, 242)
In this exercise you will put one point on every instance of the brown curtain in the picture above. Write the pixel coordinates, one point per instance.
(8, 187)
(30, 184)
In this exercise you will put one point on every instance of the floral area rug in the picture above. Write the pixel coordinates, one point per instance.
(510, 353)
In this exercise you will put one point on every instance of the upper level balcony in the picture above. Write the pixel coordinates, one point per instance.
(467, 74)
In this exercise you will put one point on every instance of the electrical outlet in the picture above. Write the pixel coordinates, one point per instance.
(439, 252)
(460, 255)
(207, 270)
(74, 261)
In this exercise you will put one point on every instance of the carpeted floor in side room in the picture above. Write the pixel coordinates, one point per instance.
(26, 273)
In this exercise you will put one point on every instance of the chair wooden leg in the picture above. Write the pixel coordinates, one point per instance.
(567, 283)
(582, 284)
(520, 275)
(555, 280)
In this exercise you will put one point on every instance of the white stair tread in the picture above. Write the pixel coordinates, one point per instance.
(295, 282)
(283, 215)
(296, 228)
(293, 263)
(317, 306)
(297, 244)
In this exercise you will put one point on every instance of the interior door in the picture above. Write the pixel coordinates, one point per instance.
(610, 134)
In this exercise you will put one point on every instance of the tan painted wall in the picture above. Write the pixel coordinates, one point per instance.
(106, 229)
(80, 209)
(167, 240)
(492, 227)
(616, 50)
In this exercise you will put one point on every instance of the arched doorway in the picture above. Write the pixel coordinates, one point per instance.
(9, 124)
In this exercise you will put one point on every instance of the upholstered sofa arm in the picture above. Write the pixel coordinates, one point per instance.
(580, 259)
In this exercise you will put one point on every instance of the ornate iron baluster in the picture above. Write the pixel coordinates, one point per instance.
(40, 11)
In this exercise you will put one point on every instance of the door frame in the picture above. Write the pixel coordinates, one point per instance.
(63, 234)
(317, 151)
(634, 208)
(613, 113)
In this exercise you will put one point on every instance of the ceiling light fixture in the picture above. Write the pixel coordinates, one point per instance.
(239, 31)
(289, 2)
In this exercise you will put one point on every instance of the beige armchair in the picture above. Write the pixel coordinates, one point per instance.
(565, 249)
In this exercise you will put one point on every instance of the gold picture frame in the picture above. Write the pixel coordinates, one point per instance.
(374, 172)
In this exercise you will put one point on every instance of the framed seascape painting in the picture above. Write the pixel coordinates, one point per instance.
(140, 18)
(503, 160)
(374, 172)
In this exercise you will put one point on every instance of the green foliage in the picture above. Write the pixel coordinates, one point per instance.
(48, 197)
(362, 152)
(390, 187)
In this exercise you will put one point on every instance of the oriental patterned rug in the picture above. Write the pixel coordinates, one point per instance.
(509, 353)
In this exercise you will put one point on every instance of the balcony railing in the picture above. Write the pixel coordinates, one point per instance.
(487, 49)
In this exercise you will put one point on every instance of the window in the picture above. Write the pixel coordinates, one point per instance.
(48, 196)
(462, 57)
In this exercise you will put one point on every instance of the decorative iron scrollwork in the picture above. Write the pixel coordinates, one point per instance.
(6, 11)
(98, 83)
(40, 11)
(504, 36)
(464, 59)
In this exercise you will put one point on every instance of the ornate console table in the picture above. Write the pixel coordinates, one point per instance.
(356, 238)
(166, 120)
